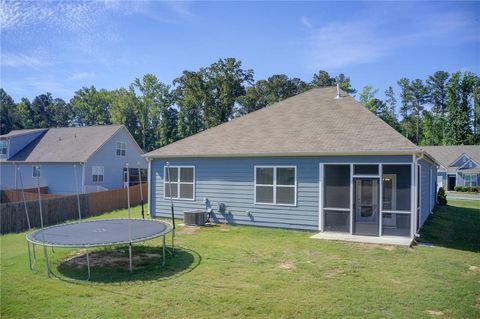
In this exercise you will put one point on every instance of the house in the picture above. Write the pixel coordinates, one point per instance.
(95, 156)
(315, 161)
(459, 165)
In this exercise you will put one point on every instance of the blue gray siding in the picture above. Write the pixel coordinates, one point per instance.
(113, 164)
(17, 143)
(230, 181)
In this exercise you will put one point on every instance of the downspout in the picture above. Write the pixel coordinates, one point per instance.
(149, 183)
(417, 211)
(15, 169)
(83, 176)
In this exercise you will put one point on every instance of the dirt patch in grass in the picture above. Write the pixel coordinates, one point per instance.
(334, 273)
(187, 230)
(112, 258)
(396, 281)
(434, 313)
(224, 227)
(474, 268)
(312, 253)
(287, 265)
(477, 304)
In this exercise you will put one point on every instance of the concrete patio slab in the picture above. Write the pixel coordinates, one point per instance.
(383, 240)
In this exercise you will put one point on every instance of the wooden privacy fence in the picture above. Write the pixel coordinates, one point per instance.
(15, 195)
(60, 209)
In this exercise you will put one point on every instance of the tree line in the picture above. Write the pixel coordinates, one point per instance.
(158, 113)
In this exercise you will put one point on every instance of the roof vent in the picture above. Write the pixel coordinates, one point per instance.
(338, 91)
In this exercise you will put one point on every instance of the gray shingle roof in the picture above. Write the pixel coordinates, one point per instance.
(21, 132)
(446, 155)
(67, 144)
(310, 123)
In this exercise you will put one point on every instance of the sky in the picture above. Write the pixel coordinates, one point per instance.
(59, 47)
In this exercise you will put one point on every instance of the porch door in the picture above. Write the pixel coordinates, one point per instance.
(366, 206)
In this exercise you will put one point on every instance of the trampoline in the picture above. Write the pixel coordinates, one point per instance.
(99, 233)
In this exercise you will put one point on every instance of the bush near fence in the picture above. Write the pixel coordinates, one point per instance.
(60, 209)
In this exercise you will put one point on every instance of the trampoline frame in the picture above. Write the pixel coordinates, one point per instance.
(169, 229)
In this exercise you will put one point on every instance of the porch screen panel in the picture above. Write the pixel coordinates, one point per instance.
(337, 221)
(397, 190)
(396, 224)
(337, 186)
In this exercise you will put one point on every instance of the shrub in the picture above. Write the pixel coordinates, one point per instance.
(442, 197)
(473, 189)
(459, 188)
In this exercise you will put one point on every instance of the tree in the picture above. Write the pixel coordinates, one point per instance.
(345, 84)
(405, 97)
(154, 98)
(322, 79)
(418, 99)
(42, 111)
(476, 114)
(391, 101)
(366, 95)
(123, 110)
(60, 113)
(225, 79)
(460, 89)
(91, 107)
(25, 114)
(265, 92)
(8, 118)
(428, 136)
(437, 97)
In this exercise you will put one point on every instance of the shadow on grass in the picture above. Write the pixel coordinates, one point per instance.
(111, 265)
(453, 227)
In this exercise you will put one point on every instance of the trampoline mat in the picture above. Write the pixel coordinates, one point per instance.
(99, 232)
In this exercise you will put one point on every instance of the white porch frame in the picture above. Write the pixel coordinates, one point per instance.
(413, 206)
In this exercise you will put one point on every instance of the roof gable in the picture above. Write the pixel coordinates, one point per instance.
(448, 156)
(310, 123)
(68, 144)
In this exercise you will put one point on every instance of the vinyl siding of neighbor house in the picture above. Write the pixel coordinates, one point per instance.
(427, 189)
(113, 164)
(230, 181)
(59, 177)
(443, 175)
(459, 162)
(17, 143)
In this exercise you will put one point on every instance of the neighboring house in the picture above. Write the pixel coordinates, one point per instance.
(459, 165)
(312, 161)
(97, 155)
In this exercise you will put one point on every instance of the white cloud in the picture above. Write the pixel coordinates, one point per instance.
(334, 46)
(306, 22)
(21, 60)
(82, 76)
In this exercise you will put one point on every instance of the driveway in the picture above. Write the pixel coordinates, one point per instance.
(458, 195)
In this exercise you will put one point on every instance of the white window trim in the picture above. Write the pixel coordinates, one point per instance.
(39, 169)
(410, 212)
(179, 183)
(6, 143)
(116, 148)
(472, 176)
(274, 185)
(103, 174)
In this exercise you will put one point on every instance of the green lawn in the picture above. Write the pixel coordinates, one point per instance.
(234, 271)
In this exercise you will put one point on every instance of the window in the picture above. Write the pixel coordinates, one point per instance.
(134, 177)
(97, 174)
(3, 147)
(364, 169)
(121, 148)
(336, 198)
(471, 180)
(275, 185)
(182, 182)
(36, 170)
(396, 182)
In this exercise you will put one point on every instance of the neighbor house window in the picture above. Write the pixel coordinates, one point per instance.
(276, 185)
(36, 170)
(97, 174)
(121, 148)
(471, 180)
(3, 147)
(179, 182)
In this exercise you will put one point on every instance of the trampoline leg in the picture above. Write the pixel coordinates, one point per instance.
(163, 250)
(34, 252)
(88, 266)
(173, 242)
(29, 256)
(45, 252)
(130, 255)
(53, 251)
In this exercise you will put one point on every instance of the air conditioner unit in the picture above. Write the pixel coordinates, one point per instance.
(195, 217)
